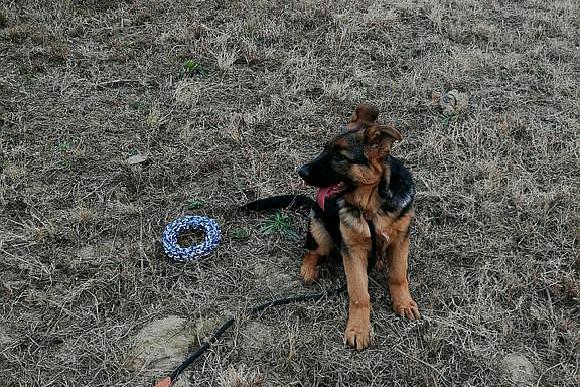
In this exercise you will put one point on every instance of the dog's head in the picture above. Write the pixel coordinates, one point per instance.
(355, 157)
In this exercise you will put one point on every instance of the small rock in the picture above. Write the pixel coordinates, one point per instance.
(137, 159)
(161, 345)
(518, 369)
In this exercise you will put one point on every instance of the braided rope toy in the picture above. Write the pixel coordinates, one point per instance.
(212, 238)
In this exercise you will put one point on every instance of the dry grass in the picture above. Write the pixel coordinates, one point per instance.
(494, 255)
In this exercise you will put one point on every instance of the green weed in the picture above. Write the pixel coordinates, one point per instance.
(446, 119)
(195, 204)
(278, 224)
(63, 146)
(192, 67)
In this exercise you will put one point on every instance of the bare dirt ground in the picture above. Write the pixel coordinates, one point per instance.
(84, 85)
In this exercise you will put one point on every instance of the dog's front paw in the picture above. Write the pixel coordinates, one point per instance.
(358, 336)
(308, 273)
(406, 307)
(403, 303)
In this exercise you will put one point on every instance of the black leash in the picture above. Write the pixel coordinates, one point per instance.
(167, 381)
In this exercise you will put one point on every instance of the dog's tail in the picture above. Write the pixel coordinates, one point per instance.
(278, 202)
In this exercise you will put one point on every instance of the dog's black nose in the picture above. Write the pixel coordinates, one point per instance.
(303, 172)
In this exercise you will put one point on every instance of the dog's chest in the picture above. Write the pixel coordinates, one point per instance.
(353, 222)
(386, 233)
(390, 229)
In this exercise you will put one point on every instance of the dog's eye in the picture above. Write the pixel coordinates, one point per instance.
(340, 156)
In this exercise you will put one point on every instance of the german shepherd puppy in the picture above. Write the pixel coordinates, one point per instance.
(359, 182)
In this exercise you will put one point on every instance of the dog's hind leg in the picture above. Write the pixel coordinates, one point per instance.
(309, 267)
(318, 245)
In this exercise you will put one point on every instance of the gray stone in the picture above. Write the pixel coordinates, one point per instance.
(161, 345)
(137, 159)
(518, 369)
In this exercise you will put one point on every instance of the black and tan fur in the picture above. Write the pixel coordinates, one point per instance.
(376, 187)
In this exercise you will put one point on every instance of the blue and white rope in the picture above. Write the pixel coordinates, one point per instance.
(212, 238)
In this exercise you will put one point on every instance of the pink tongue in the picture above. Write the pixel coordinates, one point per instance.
(323, 193)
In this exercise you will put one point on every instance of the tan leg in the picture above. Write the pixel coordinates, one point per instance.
(309, 268)
(403, 303)
(320, 246)
(358, 327)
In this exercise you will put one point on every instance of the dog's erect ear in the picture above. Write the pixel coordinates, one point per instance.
(365, 113)
(380, 138)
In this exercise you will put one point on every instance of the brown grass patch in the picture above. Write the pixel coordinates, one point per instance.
(494, 248)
